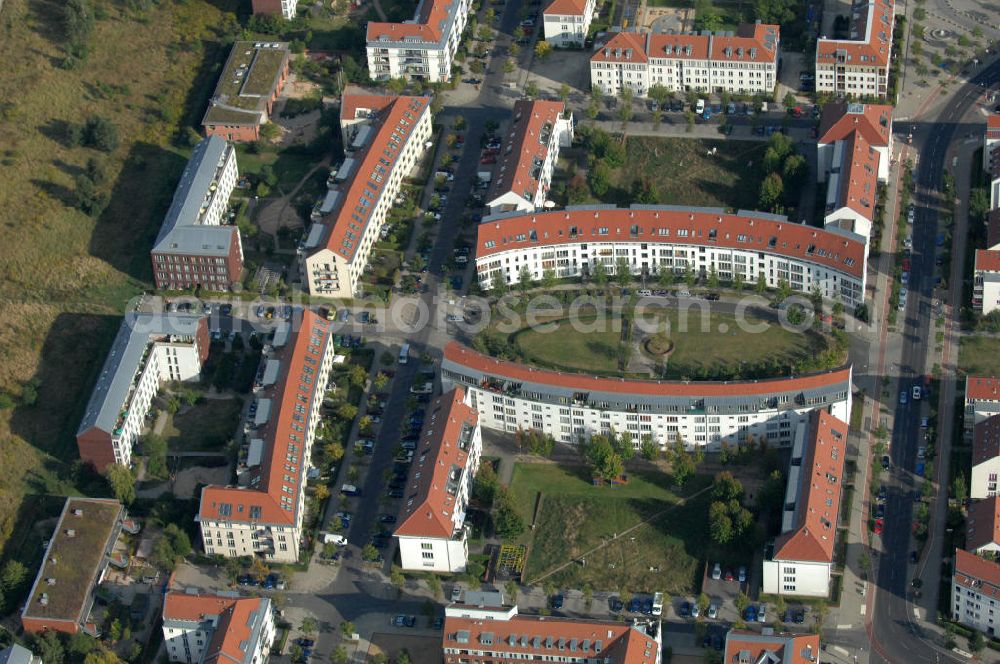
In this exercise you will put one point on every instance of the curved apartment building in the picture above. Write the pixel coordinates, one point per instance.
(572, 241)
(573, 407)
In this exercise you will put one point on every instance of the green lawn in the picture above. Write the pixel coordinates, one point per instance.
(711, 347)
(205, 427)
(290, 167)
(979, 356)
(576, 516)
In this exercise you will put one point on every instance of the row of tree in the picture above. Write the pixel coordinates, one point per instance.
(490, 493)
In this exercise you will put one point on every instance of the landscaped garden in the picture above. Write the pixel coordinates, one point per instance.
(205, 426)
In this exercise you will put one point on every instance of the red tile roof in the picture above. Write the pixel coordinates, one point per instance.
(982, 388)
(394, 126)
(696, 226)
(859, 176)
(623, 47)
(977, 574)
(993, 126)
(761, 37)
(233, 628)
(566, 8)
(789, 648)
(986, 440)
(512, 640)
(524, 146)
(428, 26)
(465, 356)
(873, 44)
(840, 119)
(675, 47)
(428, 507)
(818, 503)
(983, 524)
(283, 437)
(351, 102)
(988, 260)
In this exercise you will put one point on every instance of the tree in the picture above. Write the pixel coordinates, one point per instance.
(543, 49)
(658, 93)
(322, 492)
(509, 66)
(738, 284)
(524, 280)
(690, 278)
(976, 641)
(548, 278)
(682, 465)
(14, 573)
(720, 525)
(599, 273)
(794, 171)
(155, 448)
(665, 277)
(102, 656)
(48, 646)
(397, 578)
(771, 190)
(790, 101)
(625, 110)
(122, 483)
(648, 448)
(713, 277)
(347, 628)
(531, 89)
(511, 589)
(959, 488)
(334, 452)
(564, 91)
(599, 179)
(357, 375)
(761, 285)
(506, 519)
(369, 553)
(485, 485)
(347, 411)
(623, 272)
(703, 602)
(78, 22)
(100, 133)
(339, 655)
(726, 487)
(644, 190)
(657, 118)
(742, 601)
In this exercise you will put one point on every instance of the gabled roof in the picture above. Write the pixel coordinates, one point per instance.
(982, 388)
(986, 440)
(983, 524)
(987, 260)
(746, 230)
(977, 574)
(439, 464)
(743, 646)
(234, 624)
(469, 358)
(272, 496)
(623, 47)
(359, 105)
(431, 23)
(752, 42)
(678, 46)
(523, 637)
(394, 127)
(993, 126)
(820, 491)
(527, 147)
(17, 654)
(840, 119)
(858, 176)
(566, 7)
(182, 231)
(872, 29)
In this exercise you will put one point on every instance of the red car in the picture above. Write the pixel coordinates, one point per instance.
(906, 265)
(488, 159)
(729, 575)
(879, 525)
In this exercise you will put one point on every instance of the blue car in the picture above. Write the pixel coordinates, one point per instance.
(647, 606)
(751, 614)
(557, 601)
(634, 605)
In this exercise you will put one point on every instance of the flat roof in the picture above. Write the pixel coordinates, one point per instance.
(247, 82)
(73, 559)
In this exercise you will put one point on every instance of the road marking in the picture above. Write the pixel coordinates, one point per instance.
(847, 626)
(838, 649)
(864, 608)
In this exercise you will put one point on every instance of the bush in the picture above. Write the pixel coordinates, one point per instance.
(99, 133)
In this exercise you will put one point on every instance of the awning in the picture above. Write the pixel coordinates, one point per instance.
(263, 412)
(256, 452)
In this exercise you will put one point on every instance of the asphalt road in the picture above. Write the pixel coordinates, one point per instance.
(897, 632)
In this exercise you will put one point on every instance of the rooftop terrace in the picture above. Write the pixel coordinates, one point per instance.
(247, 82)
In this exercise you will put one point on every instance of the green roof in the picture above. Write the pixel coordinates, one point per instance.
(247, 83)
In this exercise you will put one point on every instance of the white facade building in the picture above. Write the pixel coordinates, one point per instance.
(265, 517)
(982, 400)
(985, 458)
(801, 563)
(529, 155)
(566, 22)
(744, 62)
(982, 527)
(199, 629)
(383, 150)
(573, 407)
(859, 65)
(431, 533)
(422, 48)
(572, 241)
(150, 349)
(975, 593)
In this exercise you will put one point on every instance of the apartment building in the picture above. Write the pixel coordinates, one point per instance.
(982, 527)
(18, 654)
(489, 632)
(251, 81)
(985, 457)
(76, 559)
(196, 246)
(422, 48)
(859, 65)
(572, 241)
(199, 629)
(264, 517)
(567, 22)
(743, 62)
(975, 592)
(982, 400)
(991, 139)
(801, 562)
(986, 278)
(853, 153)
(149, 350)
(529, 155)
(432, 534)
(283, 8)
(770, 647)
(573, 407)
(387, 138)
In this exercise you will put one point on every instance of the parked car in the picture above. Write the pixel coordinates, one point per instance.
(634, 605)
(742, 574)
(885, 462)
(713, 611)
(557, 601)
(717, 572)
(685, 610)
(615, 604)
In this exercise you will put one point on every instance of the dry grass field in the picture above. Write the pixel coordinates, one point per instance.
(65, 278)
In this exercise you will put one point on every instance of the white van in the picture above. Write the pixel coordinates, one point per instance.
(657, 603)
(334, 538)
(699, 107)
(763, 107)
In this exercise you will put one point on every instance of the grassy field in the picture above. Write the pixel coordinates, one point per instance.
(66, 278)
(703, 346)
(687, 173)
(205, 427)
(979, 356)
(576, 516)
